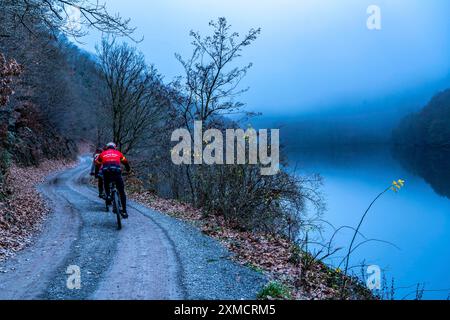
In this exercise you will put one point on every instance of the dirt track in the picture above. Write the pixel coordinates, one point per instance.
(152, 257)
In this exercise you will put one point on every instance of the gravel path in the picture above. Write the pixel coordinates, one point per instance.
(153, 257)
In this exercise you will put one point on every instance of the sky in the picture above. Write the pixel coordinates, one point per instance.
(312, 54)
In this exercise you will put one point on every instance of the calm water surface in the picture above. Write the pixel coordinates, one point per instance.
(416, 220)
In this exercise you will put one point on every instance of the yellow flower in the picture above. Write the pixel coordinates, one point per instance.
(397, 185)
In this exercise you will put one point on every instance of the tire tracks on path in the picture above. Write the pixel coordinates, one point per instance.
(153, 257)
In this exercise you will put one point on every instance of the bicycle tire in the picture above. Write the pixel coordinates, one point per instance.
(116, 205)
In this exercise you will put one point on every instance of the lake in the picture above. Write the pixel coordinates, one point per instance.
(416, 220)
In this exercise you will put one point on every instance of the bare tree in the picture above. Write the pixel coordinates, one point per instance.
(134, 100)
(71, 17)
(211, 84)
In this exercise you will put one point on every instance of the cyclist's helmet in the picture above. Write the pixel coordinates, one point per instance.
(111, 145)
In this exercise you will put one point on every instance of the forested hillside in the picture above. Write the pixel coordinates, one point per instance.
(52, 101)
(49, 94)
(56, 88)
(48, 88)
(429, 127)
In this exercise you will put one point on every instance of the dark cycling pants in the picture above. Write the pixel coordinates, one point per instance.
(115, 176)
(99, 176)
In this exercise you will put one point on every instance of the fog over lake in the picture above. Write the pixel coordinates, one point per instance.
(416, 220)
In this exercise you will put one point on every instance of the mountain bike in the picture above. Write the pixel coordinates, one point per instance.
(116, 204)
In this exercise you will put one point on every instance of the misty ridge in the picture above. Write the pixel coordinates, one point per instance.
(369, 122)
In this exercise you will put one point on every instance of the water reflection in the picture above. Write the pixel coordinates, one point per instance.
(417, 220)
(433, 165)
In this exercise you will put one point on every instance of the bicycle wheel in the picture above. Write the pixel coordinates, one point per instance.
(116, 206)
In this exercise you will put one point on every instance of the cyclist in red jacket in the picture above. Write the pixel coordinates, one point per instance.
(110, 160)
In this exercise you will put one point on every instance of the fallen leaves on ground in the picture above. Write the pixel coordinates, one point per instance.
(265, 253)
(24, 210)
